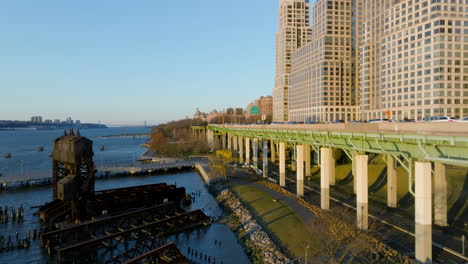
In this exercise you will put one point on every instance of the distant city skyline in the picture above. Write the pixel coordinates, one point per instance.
(122, 63)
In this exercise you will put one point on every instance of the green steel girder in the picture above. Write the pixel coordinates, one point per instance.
(451, 150)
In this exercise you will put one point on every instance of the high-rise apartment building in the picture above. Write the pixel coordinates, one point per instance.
(414, 59)
(382, 59)
(323, 78)
(293, 32)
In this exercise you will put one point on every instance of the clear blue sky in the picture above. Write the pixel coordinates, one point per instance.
(123, 62)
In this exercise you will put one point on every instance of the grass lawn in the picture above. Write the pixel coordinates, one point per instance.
(281, 223)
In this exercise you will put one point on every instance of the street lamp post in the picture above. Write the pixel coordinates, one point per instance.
(305, 258)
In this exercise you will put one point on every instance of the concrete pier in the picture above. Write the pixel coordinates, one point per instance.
(229, 141)
(247, 150)
(440, 194)
(353, 169)
(300, 170)
(332, 168)
(282, 163)
(236, 143)
(293, 159)
(240, 140)
(307, 160)
(265, 158)
(255, 152)
(423, 212)
(362, 191)
(223, 141)
(210, 139)
(273, 151)
(391, 182)
(325, 171)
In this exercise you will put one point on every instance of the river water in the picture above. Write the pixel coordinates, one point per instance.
(22, 145)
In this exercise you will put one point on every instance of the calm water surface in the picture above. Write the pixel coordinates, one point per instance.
(229, 251)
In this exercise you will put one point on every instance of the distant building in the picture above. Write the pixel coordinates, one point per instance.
(56, 121)
(212, 115)
(48, 121)
(36, 119)
(261, 106)
(77, 122)
(69, 120)
(199, 115)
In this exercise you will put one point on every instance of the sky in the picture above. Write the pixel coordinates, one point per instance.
(123, 62)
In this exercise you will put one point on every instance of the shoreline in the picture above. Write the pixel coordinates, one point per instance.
(144, 135)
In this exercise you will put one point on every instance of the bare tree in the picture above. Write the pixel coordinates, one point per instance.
(341, 241)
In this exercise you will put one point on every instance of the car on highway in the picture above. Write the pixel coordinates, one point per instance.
(439, 119)
(379, 120)
(406, 120)
(465, 119)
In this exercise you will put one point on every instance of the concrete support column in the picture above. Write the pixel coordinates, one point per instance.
(255, 152)
(391, 182)
(361, 191)
(265, 158)
(223, 141)
(273, 151)
(325, 171)
(247, 150)
(423, 211)
(282, 163)
(300, 170)
(353, 169)
(440, 194)
(236, 144)
(210, 139)
(229, 142)
(293, 161)
(241, 149)
(333, 168)
(307, 159)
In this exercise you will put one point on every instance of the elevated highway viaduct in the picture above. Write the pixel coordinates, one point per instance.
(424, 150)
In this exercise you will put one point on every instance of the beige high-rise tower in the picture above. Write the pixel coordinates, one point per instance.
(293, 32)
(414, 59)
(323, 76)
(367, 59)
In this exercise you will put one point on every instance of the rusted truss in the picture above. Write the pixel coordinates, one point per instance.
(166, 254)
(94, 229)
(137, 196)
(138, 250)
(102, 248)
(113, 200)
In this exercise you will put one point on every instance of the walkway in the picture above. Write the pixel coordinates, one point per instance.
(306, 216)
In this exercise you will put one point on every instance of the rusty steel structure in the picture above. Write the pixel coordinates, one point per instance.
(123, 225)
(104, 247)
(166, 254)
(86, 231)
(73, 172)
(114, 200)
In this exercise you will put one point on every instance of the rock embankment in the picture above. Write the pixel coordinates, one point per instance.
(251, 232)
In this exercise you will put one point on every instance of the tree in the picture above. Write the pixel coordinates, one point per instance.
(220, 162)
(341, 241)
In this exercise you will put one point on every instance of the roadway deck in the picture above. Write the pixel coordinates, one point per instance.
(422, 128)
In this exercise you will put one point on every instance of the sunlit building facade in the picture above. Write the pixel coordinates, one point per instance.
(382, 59)
(293, 32)
(323, 79)
(414, 59)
